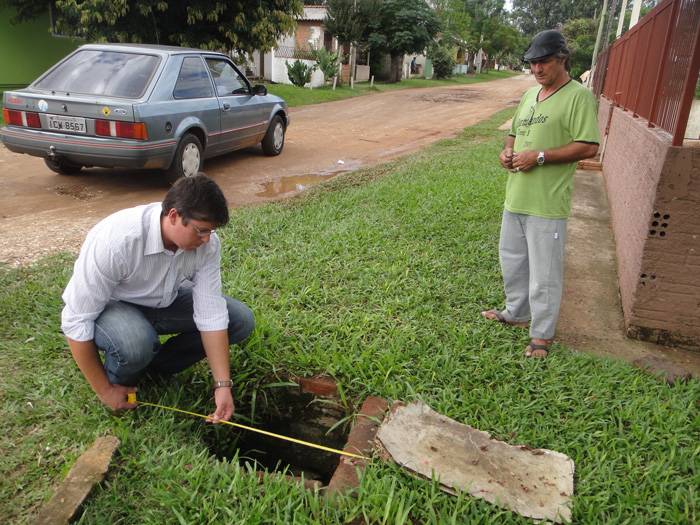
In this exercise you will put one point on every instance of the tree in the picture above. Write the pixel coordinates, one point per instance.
(348, 21)
(500, 40)
(489, 17)
(471, 25)
(534, 16)
(401, 27)
(456, 22)
(580, 37)
(238, 26)
(26, 10)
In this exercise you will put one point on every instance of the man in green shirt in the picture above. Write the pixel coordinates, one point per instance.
(555, 126)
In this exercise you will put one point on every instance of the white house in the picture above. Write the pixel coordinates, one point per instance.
(309, 35)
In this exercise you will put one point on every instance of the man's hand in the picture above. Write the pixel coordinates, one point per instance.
(115, 397)
(525, 160)
(506, 159)
(216, 346)
(224, 405)
(88, 360)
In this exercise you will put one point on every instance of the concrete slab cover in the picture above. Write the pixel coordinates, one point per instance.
(534, 483)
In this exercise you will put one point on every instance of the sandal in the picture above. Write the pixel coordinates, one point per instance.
(499, 318)
(533, 347)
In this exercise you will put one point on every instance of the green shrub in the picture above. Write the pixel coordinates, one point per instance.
(327, 62)
(443, 61)
(299, 73)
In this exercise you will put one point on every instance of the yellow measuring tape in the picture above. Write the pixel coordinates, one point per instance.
(131, 398)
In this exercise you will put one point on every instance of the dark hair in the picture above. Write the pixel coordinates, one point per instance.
(198, 198)
(564, 53)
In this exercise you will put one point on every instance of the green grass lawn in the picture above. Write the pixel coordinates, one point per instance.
(376, 278)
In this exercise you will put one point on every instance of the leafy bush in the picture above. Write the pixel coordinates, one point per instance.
(327, 62)
(581, 36)
(443, 61)
(511, 61)
(299, 73)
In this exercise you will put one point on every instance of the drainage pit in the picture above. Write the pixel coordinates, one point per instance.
(291, 413)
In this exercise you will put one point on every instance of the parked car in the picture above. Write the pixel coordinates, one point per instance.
(141, 106)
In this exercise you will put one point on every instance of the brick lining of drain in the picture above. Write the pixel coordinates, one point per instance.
(307, 412)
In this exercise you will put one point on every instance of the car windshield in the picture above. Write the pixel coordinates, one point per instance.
(111, 73)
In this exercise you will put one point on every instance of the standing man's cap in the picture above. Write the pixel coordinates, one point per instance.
(544, 44)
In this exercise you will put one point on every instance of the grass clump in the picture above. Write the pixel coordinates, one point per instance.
(375, 278)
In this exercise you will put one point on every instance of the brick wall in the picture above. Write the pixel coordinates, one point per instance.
(345, 74)
(303, 32)
(654, 195)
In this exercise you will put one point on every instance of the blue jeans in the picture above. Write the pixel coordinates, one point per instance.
(128, 336)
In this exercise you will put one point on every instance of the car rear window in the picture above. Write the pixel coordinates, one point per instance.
(110, 73)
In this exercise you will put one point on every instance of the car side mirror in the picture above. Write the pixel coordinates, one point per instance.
(260, 90)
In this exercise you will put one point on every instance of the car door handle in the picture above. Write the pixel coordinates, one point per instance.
(227, 107)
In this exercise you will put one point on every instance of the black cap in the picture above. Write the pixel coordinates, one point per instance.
(544, 44)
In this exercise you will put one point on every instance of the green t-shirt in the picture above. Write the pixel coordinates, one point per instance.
(568, 115)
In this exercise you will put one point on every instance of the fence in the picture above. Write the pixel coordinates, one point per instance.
(652, 70)
(294, 52)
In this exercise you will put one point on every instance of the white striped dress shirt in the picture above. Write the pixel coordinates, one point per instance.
(123, 258)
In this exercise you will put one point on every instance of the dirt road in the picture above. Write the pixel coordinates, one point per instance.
(52, 213)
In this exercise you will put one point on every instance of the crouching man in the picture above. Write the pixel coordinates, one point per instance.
(149, 271)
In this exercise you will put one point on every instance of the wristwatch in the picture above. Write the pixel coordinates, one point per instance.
(540, 158)
(222, 384)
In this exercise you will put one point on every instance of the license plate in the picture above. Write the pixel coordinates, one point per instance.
(61, 123)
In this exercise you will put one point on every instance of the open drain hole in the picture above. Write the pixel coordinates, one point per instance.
(290, 413)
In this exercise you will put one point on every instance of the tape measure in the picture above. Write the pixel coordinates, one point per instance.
(131, 398)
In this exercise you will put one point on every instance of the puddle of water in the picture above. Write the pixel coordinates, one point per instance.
(277, 187)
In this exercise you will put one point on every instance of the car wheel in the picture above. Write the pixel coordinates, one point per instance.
(273, 142)
(188, 159)
(62, 167)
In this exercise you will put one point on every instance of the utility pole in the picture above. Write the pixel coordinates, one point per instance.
(612, 12)
(621, 21)
(597, 40)
(480, 55)
(351, 62)
(635, 13)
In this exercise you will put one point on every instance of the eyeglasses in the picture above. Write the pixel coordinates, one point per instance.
(201, 233)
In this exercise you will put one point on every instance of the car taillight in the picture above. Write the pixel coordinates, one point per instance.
(27, 119)
(126, 130)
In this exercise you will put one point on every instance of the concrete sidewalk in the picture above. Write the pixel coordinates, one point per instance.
(591, 314)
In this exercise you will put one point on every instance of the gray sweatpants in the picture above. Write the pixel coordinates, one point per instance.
(532, 261)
